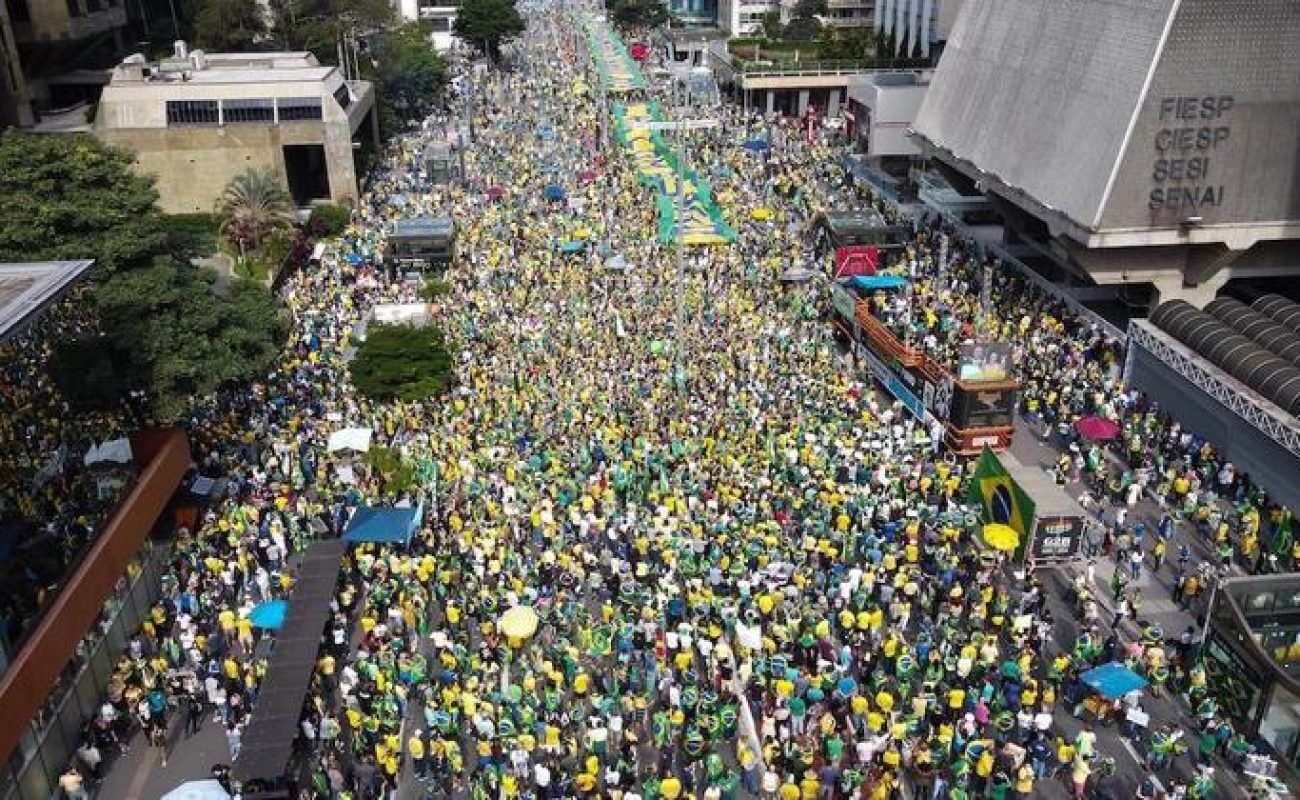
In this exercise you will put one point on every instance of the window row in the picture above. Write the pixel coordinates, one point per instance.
(233, 112)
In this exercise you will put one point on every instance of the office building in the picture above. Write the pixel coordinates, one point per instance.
(199, 119)
(1149, 146)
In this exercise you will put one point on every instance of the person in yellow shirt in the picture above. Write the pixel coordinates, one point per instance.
(789, 790)
(1025, 781)
(415, 751)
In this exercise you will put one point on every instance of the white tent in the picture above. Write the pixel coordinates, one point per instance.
(118, 451)
(355, 439)
(198, 790)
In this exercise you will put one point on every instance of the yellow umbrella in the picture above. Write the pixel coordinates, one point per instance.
(518, 623)
(1001, 537)
(761, 214)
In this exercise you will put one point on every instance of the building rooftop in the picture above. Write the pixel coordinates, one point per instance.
(198, 67)
(26, 289)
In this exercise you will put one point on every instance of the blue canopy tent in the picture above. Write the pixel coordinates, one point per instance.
(269, 615)
(1113, 680)
(384, 525)
(872, 282)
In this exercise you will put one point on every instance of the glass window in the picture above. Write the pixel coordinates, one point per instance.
(299, 108)
(260, 110)
(343, 97)
(192, 112)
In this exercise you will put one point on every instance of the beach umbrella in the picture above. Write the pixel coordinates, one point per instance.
(761, 214)
(269, 615)
(519, 622)
(208, 789)
(571, 246)
(495, 193)
(545, 132)
(755, 145)
(1097, 429)
(1001, 537)
(588, 175)
(797, 275)
(554, 192)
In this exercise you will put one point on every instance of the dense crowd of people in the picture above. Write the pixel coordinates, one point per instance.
(754, 574)
(50, 499)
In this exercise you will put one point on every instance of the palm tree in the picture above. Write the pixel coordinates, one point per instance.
(253, 205)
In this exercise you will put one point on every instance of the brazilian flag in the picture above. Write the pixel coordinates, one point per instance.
(1000, 498)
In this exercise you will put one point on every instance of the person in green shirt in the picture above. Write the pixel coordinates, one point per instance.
(834, 748)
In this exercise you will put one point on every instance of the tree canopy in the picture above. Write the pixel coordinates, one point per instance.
(231, 26)
(409, 72)
(846, 43)
(486, 24)
(180, 340)
(639, 13)
(405, 362)
(70, 197)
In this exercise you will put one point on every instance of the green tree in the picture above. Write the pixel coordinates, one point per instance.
(253, 205)
(640, 13)
(434, 289)
(808, 9)
(231, 26)
(403, 361)
(183, 341)
(396, 472)
(771, 22)
(846, 43)
(801, 29)
(486, 24)
(317, 25)
(410, 73)
(70, 197)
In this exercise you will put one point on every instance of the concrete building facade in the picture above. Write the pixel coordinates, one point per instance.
(1142, 141)
(881, 109)
(198, 120)
(439, 15)
(15, 101)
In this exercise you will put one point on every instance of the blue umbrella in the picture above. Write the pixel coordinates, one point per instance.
(269, 615)
(554, 192)
(545, 132)
(755, 145)
(1113, 680)
(353, 258)
(572, 246)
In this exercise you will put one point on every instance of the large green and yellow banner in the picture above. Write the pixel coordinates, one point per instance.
(659, 167)
(657, 164)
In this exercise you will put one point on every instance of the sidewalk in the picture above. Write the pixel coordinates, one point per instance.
(139, 775)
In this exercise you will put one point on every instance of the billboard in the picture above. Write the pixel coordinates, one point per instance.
(984, 361)
(1057, 540)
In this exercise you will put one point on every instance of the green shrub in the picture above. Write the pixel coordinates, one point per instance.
(193, 234)
(328, 219)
